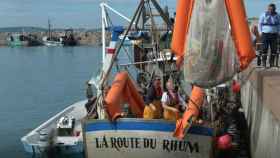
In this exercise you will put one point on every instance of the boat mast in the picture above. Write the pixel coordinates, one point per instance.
(104, 23)
(109, 60)
(163, 14)
(132, 22)
(115, 55)
(49, 28)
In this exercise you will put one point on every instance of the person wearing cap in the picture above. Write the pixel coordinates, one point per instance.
(153, 108)
(269, 27)
(172, 102)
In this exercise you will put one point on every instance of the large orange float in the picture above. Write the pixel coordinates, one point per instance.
(123, 90)
(196, 101)
(182, 22)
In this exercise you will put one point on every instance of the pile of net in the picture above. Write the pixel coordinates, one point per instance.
(213, 40)
(210, 57)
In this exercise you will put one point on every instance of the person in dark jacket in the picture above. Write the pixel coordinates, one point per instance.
(153, 108)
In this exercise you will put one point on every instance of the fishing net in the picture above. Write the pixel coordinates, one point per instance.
(210, 58)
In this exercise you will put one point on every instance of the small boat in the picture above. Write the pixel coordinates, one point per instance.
(50, 40)
(18, 40)
(69, 39)
(62, 132)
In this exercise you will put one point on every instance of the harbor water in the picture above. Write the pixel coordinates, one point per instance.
(35, 84)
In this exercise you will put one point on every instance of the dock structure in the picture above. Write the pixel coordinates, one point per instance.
(260, 97)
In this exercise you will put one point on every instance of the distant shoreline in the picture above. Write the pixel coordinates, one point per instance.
(31, 29)
(83, 36)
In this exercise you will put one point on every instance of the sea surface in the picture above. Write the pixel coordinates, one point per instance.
(35, 84)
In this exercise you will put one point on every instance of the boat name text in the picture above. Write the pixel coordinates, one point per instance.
(168, 145)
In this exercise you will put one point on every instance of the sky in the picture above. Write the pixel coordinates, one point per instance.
(82, 13)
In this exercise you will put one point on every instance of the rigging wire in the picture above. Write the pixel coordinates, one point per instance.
(108, 18)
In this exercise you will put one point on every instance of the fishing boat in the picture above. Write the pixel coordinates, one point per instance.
(50, 40)
(19, 39)
(114, 124)
(69, 39)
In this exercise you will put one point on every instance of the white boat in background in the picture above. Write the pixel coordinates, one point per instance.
(52, 41)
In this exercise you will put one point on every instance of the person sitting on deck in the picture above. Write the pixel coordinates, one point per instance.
(172, 102)
(153, 108)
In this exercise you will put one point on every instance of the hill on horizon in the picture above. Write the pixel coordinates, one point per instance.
(41, 29)
(22, 29)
